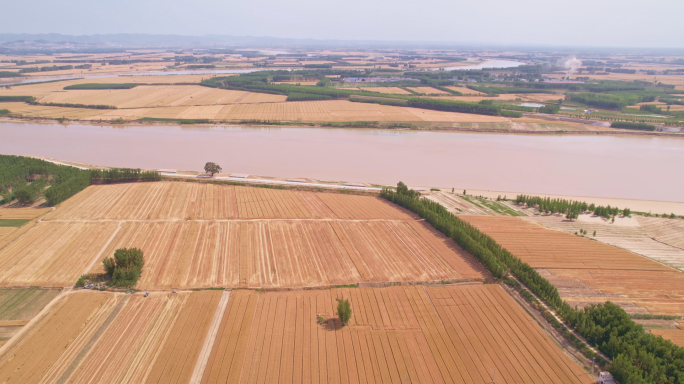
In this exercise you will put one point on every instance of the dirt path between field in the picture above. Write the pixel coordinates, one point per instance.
(208, 346)
(569, 329)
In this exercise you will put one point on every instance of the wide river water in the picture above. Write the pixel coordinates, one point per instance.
(647, 168)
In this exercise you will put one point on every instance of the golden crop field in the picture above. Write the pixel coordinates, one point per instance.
(398, 334)
(89, 337)
(653, 238)
(28, 110)
(208, 235)
(674, 335)
(19, 306)
(410, 333)
(26, 213)
(305, 111)
(587, 271)
(144, 96)
(9, 234)
(129, 345)
(53, 254)
(70, 323)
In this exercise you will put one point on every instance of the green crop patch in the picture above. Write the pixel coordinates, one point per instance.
(13, 223)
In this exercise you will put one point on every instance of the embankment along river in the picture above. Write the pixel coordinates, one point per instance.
(631, 167)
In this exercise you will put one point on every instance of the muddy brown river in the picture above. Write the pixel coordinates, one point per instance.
(648, 168)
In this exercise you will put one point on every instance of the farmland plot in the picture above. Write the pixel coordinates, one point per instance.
(67, 326)
(206, 235)
(305, 111)
(126, 348)
(92, 337)
(287, 253)
(157, 96)
(9, 233)
(21, 213)
(397, 334)
(586, 271)
(19, 306)
(674, 335)
(651, 240)
(23, 304)
(53, 254)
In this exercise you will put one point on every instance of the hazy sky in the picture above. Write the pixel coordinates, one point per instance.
(655, 23)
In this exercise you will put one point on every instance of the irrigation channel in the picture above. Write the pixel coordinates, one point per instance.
(631, 167)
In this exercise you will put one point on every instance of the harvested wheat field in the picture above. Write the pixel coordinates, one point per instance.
(288, 253)
(9, 233)
(398, 334)
(19, 306)
(586, 271)
(21, 213)
(253, 107)
(207, 235)
(92, 337)
(124, 349)
(42, 111)
(305, 111)
(29, 357)
(651, 241)
(674, 335)
(53, 254)
(144, 96)
(203, 201)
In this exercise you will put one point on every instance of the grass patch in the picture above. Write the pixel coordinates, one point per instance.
(345, 286)
(13, 223)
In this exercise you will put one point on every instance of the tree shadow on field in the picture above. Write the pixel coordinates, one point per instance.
(331, 324)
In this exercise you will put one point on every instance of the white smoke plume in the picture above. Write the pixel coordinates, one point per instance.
(572, 65)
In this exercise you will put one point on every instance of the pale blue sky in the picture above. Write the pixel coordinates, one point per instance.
(654, 23)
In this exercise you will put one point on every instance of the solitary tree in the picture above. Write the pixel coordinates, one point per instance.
(212, 168)
(344, 311)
